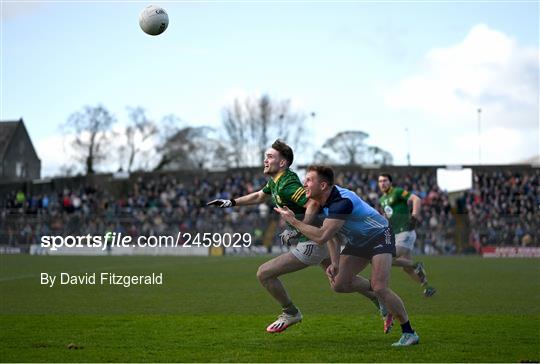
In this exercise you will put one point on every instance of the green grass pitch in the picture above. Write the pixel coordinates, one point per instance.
(214, 310)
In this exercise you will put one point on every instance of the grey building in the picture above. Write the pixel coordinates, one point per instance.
(18, 158)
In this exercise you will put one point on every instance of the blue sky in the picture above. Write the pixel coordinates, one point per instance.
(375, 67)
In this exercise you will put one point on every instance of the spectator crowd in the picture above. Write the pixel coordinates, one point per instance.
(500, 209)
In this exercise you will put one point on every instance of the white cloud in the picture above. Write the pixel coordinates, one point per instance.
(489, 70)
(53, 155)
(498, 145)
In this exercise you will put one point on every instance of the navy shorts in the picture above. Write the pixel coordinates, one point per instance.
(383, 243)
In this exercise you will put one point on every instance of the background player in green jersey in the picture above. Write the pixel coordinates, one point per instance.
(402, 208)
(285, 189)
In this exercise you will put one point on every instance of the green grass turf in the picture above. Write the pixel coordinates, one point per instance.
(213, 309)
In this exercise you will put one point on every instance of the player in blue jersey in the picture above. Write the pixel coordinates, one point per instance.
(284, 188)
(369, 238)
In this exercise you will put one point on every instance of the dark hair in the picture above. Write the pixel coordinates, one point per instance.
(283, 149)
(387, 175)
(325, 173)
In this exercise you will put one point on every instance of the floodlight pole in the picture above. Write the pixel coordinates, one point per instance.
(479, 136)
(408, 147)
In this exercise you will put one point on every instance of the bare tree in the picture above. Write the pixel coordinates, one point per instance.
(346, 147)
(92, 132)
(192, 148)
(349, 147)
(138, 131)
(168, 126)
(251, 124)
(378, 156)
(68, 170)
(322, 157)
(235, 123)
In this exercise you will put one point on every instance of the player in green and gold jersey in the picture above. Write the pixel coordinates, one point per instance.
(285, 189)
(402, 208)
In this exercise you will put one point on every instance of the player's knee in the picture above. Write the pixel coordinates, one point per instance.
(379, 288)
(262, 274)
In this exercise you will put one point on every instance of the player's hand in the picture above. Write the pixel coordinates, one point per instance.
(285, 213)
(413, 223)
(222, 203)
(289, 237)
(332, 272)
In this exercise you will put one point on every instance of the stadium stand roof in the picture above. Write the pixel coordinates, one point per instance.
(534, 160)
(7, 130)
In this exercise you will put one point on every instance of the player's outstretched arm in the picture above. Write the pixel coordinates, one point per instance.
(290, 236)
(221, 203)
(333, 249)
(251, 199)
(320, 235)
(416, 203)
(312, 209)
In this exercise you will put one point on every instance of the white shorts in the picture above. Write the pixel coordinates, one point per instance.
(310, 253)
(406, 239)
